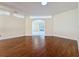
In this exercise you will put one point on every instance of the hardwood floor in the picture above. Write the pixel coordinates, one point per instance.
(34, 47)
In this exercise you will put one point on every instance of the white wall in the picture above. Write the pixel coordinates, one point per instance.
(28, 27)
(65, 24)
(12, 27)
(78, 26)
(1, 25)
(49, 27)
(78, 21)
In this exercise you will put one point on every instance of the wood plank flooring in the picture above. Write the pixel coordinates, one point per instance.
(29, 47)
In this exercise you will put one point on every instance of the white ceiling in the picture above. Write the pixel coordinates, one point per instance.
(35, 8)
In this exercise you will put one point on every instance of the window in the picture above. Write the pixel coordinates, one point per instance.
(18, 15)
(4, 13)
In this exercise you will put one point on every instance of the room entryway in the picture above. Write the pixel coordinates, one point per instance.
(38, 33)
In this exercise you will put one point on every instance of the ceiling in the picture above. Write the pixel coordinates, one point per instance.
(35, 8)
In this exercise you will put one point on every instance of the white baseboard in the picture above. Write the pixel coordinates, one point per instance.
(75, 38)
(8, 37)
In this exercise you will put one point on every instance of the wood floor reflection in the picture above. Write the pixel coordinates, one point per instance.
(34, 47)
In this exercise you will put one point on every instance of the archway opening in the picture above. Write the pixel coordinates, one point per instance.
(38, 28)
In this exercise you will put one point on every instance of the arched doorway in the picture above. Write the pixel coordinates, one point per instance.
(38, 28)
